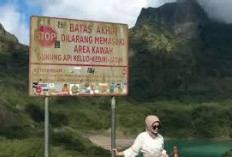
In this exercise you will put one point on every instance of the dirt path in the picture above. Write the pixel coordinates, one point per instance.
(105, 141)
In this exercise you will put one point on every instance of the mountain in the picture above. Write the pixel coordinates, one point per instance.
(6, 36)
(177, 47)
(173, 13)
(13, 73)
(9, 42)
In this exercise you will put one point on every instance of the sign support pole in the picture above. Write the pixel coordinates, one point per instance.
(113, 146)
(46, 127)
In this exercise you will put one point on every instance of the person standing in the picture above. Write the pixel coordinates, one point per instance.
(149, 142)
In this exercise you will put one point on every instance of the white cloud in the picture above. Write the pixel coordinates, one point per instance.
(157, 3)
(122, 11)
(218, 9)
(13, 22)
(119, 11)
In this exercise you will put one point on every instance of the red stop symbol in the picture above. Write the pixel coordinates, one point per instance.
(45, 35)
(38, 89)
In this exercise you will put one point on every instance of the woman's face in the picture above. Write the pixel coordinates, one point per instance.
(156, 127)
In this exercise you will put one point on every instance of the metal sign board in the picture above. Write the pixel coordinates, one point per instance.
(77, 58)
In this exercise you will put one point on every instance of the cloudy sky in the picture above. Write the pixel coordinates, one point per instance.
(15, 14)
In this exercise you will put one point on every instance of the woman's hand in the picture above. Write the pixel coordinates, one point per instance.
(117, 153)
(164, 153)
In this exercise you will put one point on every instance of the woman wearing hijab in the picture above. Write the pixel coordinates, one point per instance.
(149, 142)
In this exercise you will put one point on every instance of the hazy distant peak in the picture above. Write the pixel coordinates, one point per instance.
(169, 14)
(6, 36)
(182, 1)
(2, 30)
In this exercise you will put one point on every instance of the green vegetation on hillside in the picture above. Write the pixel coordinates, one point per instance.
(204, 115)
(188, 56)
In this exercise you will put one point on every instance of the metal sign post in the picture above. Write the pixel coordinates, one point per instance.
(113, 102)
(46, 127)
